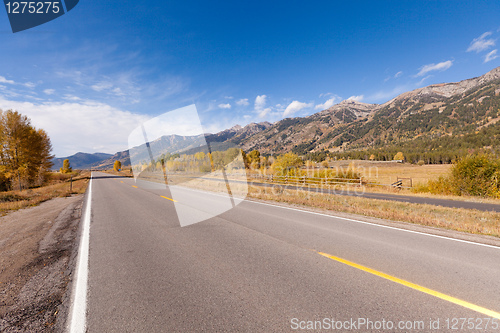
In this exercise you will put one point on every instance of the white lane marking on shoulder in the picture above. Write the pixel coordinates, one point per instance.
(78, 313)
(377, 225)
(356, 221)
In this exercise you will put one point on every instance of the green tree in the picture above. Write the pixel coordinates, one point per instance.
(117, 166)
(25, 152)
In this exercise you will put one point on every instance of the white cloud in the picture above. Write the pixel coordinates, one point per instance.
(86, 126)
(29, 85)
(264, 112)
(442, 66)
(243, 102)
(4, 80)
(358, 98)
(490, 56)
(395, 76)
(49, 91)
(421, 82)
(102, 86)
(481, 43)
(72, 98)
(259, 105)
(295, 106)
(260, 102)
(224, 106)
(118, 92)
(328, 104)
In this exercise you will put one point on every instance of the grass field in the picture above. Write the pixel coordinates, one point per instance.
(58, 186)
(388, 172)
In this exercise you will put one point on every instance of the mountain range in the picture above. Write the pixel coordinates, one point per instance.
(451, 110)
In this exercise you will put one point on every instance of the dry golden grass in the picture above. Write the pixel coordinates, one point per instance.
(465, 220)
(59, 186)
(388, 172)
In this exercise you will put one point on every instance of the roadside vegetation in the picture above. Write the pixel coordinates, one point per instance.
(57, 185)
(25, 152)
(474, 175)
(465, 220)
(25, 162)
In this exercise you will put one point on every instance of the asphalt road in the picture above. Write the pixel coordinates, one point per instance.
(256, 268)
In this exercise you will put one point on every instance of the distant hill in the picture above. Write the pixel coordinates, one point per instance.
(439, 118)
(80, 160)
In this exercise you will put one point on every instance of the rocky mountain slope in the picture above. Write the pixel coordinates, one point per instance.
(437, 110)
(440, 110)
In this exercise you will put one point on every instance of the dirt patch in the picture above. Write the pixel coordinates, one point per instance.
(36, 245)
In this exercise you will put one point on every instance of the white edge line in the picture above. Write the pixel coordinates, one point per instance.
(78, 312)
(378, 225)
(346, 219)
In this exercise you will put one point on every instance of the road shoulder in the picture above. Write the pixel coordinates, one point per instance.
(37, 246)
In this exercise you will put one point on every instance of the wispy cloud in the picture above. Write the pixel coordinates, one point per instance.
(395, 76)
(328, 104)
(243, 102)
(442, 66)
(490, 56)
(118, 92)
(49, 91)
(481, 43)
(358, 98)
(260, 106)
(102, 86)
(224, 106)
(294, 107)
(4, 80)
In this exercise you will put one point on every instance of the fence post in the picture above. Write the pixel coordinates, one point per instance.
(286, 179)
(71, 184)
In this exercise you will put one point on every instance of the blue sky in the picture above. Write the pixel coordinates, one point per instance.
(91, 76)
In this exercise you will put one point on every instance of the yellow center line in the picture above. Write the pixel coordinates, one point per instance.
(121, 181)
(168, 198)
(477, 308)
(134, 186)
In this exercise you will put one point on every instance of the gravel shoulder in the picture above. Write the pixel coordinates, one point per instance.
(37, 247)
